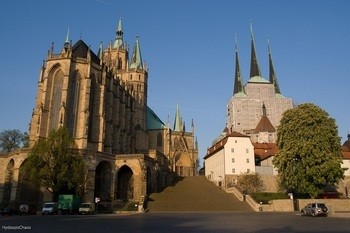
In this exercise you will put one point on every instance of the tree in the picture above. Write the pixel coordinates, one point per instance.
(10, 140)
(56, 164)
(250, 183)
(309, 156)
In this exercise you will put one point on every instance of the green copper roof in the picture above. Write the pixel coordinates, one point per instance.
(178, 120)
(240, 94)
(153, 121)
(136, 59)
(257, 79)
(118, 43)
(278, 95)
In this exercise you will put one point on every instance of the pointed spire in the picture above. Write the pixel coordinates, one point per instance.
(100, 51)
(273, 77)
(254, 66)
(238, 86)
(66, 42)
(192, 125)
(118, 43)
(264, 110)
(136, 59)
(178, 119)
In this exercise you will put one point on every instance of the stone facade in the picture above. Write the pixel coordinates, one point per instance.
(102, 100)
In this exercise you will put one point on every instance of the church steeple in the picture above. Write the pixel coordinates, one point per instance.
(178, 120)
(254, 66)
(238, 86)
(66, 42)
(136, 59)
(118, 43)
(273, 77)
(100, 51)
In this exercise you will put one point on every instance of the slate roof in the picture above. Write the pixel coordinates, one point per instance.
(153, 121)
(80, 49)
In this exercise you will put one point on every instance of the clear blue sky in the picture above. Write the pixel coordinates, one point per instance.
(189, 48)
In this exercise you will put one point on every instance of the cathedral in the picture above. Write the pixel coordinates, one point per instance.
(256, 108)
(102, 99)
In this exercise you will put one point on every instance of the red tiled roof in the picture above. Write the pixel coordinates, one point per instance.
(265, 150)
(264, 125)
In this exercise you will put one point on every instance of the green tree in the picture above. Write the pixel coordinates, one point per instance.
(250, 183)
(10, 140)
(25, 140)
(56, 164)
(309, 156)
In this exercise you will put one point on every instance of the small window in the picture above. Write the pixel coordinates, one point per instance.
(233, 160)
(232, 150)
(233, 170)
(247, 160)
(248, 170)
(247, 151)
(235, 141)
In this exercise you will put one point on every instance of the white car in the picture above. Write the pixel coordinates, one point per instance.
(87, 208)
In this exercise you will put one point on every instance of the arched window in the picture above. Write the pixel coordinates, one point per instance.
(56, 97)
(93, 107)
(73, 103)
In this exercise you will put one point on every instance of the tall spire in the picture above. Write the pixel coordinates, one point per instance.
(136, 59)
(254, 66)
(273, 77)
(118, 43)
(178, 119)
(238, 86)
(66, 42)
(100, 51)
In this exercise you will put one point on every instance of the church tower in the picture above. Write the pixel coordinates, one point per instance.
(133, 75)
(184, 147)
(244, 107)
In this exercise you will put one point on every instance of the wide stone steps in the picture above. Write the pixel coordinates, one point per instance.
(194, 193)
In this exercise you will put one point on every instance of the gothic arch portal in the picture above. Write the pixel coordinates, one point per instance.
(6, 195)
(27, 191)
(125, 184)
(103, 177)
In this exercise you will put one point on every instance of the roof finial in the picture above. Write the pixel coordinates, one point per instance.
(251, 27)
(66, 42)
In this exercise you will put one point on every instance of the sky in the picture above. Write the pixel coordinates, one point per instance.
(188, 46)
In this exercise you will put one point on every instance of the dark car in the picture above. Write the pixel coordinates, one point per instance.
(315, 209)
(7, 211)
(27, 209)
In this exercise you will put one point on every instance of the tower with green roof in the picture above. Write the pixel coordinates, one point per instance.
(244, 106)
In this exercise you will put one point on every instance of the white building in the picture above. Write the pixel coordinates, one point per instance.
(228, 158)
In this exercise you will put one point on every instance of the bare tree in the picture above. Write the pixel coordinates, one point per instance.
(10, 140)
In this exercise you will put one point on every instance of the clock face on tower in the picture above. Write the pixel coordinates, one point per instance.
(263, 137)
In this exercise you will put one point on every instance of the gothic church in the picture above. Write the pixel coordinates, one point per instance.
(102, 99)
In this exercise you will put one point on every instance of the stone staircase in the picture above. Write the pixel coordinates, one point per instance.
(194, 193)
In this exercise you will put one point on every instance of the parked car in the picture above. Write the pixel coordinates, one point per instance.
(87, 208)
(315, 209)
(7, 211)
(50, 208)
(27, 209)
